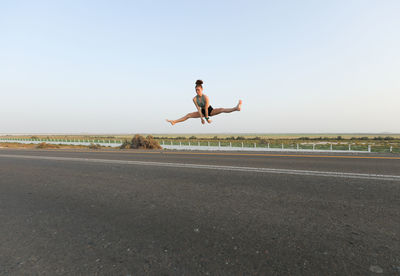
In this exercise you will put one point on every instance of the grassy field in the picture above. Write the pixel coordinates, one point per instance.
(218, 136)
(280, 136)
(378, 142)
(244, 137)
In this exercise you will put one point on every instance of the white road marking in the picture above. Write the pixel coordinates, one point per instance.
(212, 167)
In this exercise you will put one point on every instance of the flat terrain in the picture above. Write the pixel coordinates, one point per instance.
(79, 212)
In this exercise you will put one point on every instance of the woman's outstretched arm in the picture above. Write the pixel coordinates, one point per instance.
(206, 109)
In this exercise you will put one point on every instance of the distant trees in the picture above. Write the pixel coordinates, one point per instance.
(384, 138)
(258, 138)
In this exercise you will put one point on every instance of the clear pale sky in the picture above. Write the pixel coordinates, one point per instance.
(125, 66)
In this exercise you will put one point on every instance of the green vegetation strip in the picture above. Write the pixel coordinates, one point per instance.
(361, 142)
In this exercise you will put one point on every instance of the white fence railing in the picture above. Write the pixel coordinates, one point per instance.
(74, 142)
(223, 146)
(212, 146)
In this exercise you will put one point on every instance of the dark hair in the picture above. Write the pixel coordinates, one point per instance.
(199, 83)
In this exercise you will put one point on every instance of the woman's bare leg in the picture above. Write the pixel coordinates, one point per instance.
(184, 118)
(217, 111)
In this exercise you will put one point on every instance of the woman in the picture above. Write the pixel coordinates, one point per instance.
(204, 109)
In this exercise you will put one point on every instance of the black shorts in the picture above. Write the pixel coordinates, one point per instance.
(209, 111)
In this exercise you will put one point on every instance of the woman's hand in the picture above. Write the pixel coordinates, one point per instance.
(202, 121)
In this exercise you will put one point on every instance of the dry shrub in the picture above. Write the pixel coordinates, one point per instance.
(125, 145)
(140, 142)
(47, 146)
(94, 146)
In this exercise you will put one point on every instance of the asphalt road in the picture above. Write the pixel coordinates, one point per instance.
(182, 213)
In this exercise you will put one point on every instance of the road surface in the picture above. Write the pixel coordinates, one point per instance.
(198, 213)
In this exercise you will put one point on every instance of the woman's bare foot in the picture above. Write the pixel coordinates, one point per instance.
(171, 121)
(239, 106)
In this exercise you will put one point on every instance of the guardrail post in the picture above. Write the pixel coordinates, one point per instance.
(391, 148)
(268, 145)
(369, 148)
(255, 145)
(297, 146)
(230, 144)
(313, 146)
(282, 145)
(331, 147)
(180, 143)
(208, 143)
(242, 145)
(219, 144)
(349, 147)
(198, 143)
(171, 142)
(189, 143)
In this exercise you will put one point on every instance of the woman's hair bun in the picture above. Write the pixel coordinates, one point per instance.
(199, 82)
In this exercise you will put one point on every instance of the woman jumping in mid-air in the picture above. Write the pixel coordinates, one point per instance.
(204, 108)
